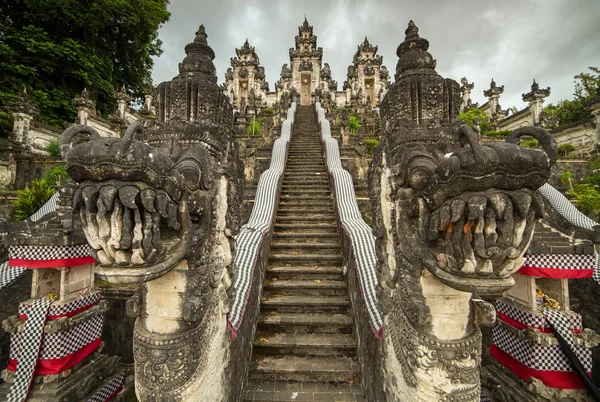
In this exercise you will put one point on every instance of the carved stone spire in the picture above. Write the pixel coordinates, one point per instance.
(413, 55)
(199, 57)
(535, 98)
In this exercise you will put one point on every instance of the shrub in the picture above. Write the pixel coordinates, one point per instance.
(32, 198)
(500, 134)
(53, 149)
(470, 116)
(254, 127)
(530, 143)
(268, 111)
(55, 176)
(370, 145)
(353, 124)
(565, 149)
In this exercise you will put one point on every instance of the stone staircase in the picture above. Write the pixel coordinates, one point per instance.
(304, 348)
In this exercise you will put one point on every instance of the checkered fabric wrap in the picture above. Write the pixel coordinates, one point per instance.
(538, 357)
(108, 390)
(49, 252)
(9, 274)
(533, 320)
(250, 237)
(50, 206)
(64, 309)
(61, 344)
(31, 341)
(361, 237)
(560, 323)
(565, 208)
(484, 397)
(560, 261)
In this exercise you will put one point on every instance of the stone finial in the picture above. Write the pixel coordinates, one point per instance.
(24, 105)
(85, 106)
(536, 93)
(535, 98)
(465, 90)
(413, 55)
(494, 90)
(199, 56)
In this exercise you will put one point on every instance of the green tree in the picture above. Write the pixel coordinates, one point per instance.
(353, 124)
(56, 48)
(570, 111)
(471, 115)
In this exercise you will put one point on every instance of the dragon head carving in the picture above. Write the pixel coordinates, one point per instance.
(462, 209)
(145, 200)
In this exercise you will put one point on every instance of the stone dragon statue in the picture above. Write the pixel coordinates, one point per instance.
(453, 218)
(159, 206)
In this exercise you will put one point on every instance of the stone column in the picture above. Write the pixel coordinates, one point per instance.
(465, 90)
(23, 113)
(85, 106)
(493, 95)
(535, 98)
(148, 98)
(123, 100)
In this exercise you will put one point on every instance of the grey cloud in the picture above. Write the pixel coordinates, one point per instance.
(512, 41)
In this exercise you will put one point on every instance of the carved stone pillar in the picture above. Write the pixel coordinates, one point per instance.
(23, 113)
(465, 90)
(85, 106)
(123, 100)
(535, 98)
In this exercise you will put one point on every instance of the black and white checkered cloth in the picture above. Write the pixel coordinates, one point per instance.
(534, 319)
(45, 253)
(64, 309)
(560, 261)
(251, 235)
(360, 234)
(565, 208)
(60, 344)
(538, 357)
(9, 274)
(568, 211)
(30, 349)
(484, 397)
(108, 390)
(560, 323)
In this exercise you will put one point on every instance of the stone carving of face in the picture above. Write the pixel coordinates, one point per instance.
(144, 201)
(465, 210)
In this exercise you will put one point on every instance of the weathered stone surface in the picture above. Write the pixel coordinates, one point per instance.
(452, 217)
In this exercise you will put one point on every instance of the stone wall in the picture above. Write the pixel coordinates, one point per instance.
(31, 167)
(585, 294)
(117, 332)
(578, 168)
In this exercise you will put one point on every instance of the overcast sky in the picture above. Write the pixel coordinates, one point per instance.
(512, 41)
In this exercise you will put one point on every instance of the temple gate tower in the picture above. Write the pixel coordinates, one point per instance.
(305, 62)
(245, 80)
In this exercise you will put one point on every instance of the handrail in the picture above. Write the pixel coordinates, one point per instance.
(252, 234)
(359, 233)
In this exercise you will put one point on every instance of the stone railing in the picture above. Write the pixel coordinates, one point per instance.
(252, 250)
(360, 258)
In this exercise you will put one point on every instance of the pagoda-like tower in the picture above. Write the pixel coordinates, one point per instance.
(245, 81)
(305, 63)
(368, 79)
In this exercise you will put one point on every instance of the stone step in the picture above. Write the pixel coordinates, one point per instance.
(305, 229)
(306, 259)
(302, 272)
(302, 236)
(325, 218)
(307, 286)
(265, 390)
(293, 184)
(305, 304)
(293, 210)
(291, 344)
(305, 323)
(308, 368)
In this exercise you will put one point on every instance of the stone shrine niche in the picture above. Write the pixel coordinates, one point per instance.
(367, 80)
(245, 81)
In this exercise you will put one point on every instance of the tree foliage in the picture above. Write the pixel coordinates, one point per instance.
(353, 124)
(56, 48)
(471, 116)
(32, 198)
(570, 111)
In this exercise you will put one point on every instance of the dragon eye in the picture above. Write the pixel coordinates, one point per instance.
(419, 178)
